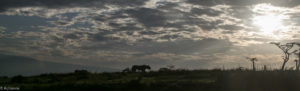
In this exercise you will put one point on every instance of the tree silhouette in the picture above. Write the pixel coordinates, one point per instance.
(297, 53)
(297, 64)
(253, 60)
(285, 49)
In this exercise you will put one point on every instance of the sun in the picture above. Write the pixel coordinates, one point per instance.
(269, 23)
(269, 19)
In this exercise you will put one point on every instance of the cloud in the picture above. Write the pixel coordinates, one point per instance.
(289, 3)
(188, 33)
(209, 12)
(231, 27)
(7, 4)
(148, 17)
(205, 2)
(135, 21)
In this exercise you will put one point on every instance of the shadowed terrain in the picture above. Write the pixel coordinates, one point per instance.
(175, 80)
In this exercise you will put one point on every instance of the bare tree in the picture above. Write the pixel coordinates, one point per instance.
(253, 60)
(297, 64)
(285, 49)
(297, 53)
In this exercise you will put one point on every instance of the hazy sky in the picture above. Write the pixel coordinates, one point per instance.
(119, 33)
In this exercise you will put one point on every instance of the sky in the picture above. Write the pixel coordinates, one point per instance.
(115, 34)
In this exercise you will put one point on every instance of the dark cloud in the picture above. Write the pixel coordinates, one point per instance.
(243, 2)
(150, 33)
(167, 6)
(170, 37)
(74, 35)
(209, 25)
(161, 17)
(148, 17)
(100, 37)
(189, 18)
(283, 3)
(241, 12)
(209, 12)
(130, 27)
(231, 27)
(206, 2)
(6, 4)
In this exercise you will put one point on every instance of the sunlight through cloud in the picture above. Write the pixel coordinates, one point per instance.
(269, 19)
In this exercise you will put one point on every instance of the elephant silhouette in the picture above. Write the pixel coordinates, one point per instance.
(142, 68)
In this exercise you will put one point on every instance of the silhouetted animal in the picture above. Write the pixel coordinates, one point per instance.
(141, 68)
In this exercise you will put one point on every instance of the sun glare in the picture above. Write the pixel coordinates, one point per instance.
(268, 19)
(268, 23)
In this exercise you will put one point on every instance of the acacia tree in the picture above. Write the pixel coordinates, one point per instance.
(285, 49)
(253, 60)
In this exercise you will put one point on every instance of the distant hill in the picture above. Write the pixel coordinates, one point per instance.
(18, 65)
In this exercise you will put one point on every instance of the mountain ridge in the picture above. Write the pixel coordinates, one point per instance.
(11, 65)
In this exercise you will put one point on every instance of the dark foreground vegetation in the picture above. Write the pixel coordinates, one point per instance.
(175, 80)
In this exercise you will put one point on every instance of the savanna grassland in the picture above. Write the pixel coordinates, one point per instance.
(176, 80)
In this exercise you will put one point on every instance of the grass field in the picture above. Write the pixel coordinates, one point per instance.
(178, 80)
